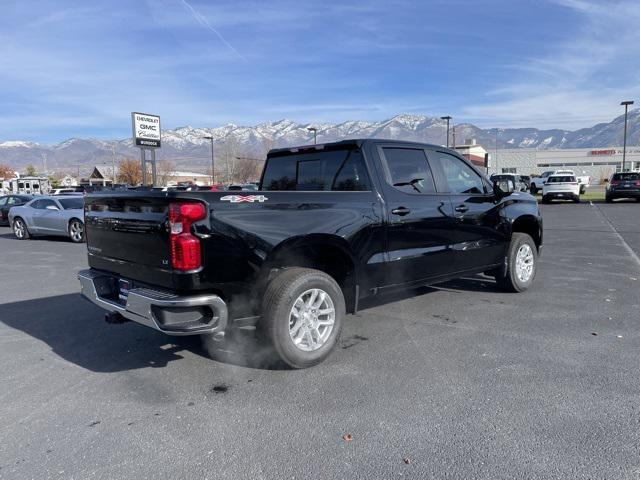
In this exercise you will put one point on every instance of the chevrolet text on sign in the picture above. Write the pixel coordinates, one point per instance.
(146, 130)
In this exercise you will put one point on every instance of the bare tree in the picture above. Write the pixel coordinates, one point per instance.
(129, 171)
(6, 171)
(227, 154)
(166, 168)
(247, 169)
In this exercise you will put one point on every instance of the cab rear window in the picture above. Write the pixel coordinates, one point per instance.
(338, 170)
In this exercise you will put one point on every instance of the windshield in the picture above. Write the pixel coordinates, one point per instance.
(72, 203)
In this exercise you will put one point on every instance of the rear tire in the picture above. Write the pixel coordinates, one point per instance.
(545, 199)
(20, 229)
(608, 199)
(76, 231)
(292, 320)
(522, 258)
(576, 199)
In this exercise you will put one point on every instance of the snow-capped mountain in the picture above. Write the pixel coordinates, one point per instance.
(187, 147)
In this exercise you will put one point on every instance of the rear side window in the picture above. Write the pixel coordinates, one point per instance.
(3, 201)
(561, 179)
(461, 178)
(338, 170)
(409, 170)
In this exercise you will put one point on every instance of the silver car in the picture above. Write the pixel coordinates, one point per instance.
(60, 215)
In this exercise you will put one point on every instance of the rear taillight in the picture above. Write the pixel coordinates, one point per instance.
(637, 183)
(185, 247)
(614, 183)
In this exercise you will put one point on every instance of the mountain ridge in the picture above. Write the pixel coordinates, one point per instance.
(186, 147)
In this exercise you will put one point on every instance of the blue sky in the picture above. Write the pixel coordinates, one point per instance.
(77, 69)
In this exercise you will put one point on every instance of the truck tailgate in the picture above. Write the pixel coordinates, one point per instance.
(128, 235)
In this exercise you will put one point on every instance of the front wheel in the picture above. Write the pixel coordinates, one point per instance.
(302, 315)
(20, 229)
(521, 261)
(76, 231)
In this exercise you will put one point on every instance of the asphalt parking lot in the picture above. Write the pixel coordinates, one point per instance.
(461, 381)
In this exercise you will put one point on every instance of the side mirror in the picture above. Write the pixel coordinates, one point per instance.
(504, 187)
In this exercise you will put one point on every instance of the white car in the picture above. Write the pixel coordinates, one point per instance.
(561, 186)
(538, 182)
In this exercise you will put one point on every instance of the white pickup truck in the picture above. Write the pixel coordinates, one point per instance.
(538, 182)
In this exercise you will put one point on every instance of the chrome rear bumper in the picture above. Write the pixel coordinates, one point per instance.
(163, 311)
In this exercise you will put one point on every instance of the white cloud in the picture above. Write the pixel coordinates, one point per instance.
(581, 83)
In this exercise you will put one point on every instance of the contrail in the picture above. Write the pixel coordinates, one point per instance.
(205, 23)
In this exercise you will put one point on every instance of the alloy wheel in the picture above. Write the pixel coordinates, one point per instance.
(311, 320)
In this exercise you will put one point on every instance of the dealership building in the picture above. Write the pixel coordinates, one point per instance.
(598, 163)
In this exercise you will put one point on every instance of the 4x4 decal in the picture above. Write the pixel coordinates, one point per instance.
(244, 198)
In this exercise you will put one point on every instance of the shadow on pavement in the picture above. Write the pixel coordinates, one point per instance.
(75, 330)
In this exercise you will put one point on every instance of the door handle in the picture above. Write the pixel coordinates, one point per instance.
(461, 208)
(402, 211)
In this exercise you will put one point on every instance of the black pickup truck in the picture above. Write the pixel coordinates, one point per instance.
(330, 225)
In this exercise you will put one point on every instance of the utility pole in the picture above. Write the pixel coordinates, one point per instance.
(624, 146)
(454, 136)
(210, 137)
(113, 161)
(497, 150)
(44, 163)
(315, 131)
(447, 118)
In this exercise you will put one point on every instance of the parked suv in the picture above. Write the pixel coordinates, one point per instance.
(561, 187)
(623, 185)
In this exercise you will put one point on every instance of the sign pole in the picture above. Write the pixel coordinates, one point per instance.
(154, 177)
(143, 164)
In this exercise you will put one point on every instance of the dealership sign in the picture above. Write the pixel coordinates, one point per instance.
(146, 130)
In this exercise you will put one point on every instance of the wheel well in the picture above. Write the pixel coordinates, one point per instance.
(72, 219)
(529, 225)
(329, 258)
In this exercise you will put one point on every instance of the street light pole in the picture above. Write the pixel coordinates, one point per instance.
(624, 146)
(315, 131)
(447, 118)
(212, 159)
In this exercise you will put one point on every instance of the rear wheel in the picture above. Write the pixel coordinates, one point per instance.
(20, 229)
(302, 315)
(545, 199)
(521, 261)
(576, 199)
(608, 199)
(76, 231)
